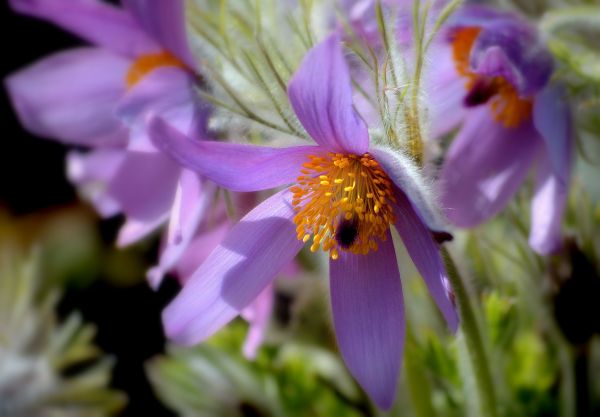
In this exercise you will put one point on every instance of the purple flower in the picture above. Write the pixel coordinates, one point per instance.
(100, 97)
(345, 195)
(513, 118)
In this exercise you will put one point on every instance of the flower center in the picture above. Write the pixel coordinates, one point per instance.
(504, 101)
(344, 202)
(147, 63)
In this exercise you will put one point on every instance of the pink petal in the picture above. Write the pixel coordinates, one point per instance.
(321, 94)
(368, 314)
(233, 166)
(258, 314)
(236, 272)
(425, 254)
(71, 95)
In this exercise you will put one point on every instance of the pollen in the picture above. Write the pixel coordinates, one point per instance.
(506, 106)
(147, 63)
(343, 202)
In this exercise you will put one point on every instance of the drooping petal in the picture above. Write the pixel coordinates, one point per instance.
(547, 208)
(145, 185)
(484, 167)
(95, 21)
(233, 166)
(70, 96)
(321, 94)
(405, 174)
(258, 314)
(191, 203)
(236, 272)
(425, 254)
(165, 22)
(170, 93)
(552, 119)
(368, 315)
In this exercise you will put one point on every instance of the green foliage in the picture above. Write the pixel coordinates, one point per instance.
(47, 368)
(291, 380)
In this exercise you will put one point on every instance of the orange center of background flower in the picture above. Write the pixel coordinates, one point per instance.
(147, 63)
(344, 202)
(505, 104)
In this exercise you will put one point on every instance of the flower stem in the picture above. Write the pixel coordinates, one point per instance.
(474, 342)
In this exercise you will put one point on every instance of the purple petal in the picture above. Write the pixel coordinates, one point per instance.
(165, 22)
(405, 174)
(426, 255)
(95, 21)
(91, 172)
(145, 185)
(368, 314)
(199, 249)
(321, 94)
(446, 90)
(236, 272)
(191, 203)
(552, 119)
(170, 93)
(70, 96)
(233, 166)
(484, 167)
(547, 208)
(511, 48)
(258, 314)
(135, 230)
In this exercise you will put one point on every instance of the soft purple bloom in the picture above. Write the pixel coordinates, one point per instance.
(365, 284)
(497, 71)
(101, 96)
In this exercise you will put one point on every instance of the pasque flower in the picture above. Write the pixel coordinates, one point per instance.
(346, 194)
(513, 118)
(99, 97)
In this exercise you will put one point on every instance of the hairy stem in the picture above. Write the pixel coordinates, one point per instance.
(474, 342)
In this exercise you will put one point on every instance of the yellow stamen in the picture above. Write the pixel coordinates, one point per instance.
(147, 63)
(334, 197)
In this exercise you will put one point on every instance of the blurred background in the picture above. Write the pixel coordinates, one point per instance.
(42, 216)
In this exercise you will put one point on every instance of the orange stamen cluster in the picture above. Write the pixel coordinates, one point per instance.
(147, 63)
(336, 189)
(506, 105)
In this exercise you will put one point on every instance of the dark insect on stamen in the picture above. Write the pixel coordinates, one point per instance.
(483, 89)
(347, 232)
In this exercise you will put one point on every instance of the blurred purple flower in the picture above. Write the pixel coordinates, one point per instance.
(497, 73)
(346, 194)
(100, 97)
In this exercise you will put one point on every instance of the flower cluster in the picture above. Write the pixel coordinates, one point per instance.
(179, 123)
